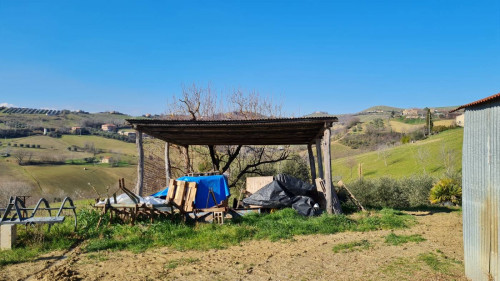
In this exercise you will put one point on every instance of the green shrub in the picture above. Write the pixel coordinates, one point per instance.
(446, 190)
(417, 188)
(405, 139)
(440, 128)
(297, 167)
(393, 193)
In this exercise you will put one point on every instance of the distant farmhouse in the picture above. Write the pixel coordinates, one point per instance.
(106, 160)
(76, 130)
(130, 135)
(460, 120)
(411, 113)
(109, 127)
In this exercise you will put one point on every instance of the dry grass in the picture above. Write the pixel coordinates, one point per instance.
(400, 127)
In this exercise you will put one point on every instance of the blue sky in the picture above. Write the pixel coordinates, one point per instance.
(334, 56)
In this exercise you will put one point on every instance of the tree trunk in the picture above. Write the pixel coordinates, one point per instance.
(167, 164)
(311, 163)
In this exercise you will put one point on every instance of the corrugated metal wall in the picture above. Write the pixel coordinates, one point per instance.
(481, 191)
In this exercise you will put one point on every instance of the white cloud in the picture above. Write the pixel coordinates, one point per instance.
(4, 104)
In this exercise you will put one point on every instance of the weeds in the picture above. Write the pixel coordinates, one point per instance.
(352, 246)
(394, 239)
(182, 261)
(283, 224)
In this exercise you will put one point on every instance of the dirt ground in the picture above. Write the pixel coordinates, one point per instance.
(310, 257)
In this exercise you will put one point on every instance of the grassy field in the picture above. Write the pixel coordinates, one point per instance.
(54, 181)
(61, 144)
(447, 123)
(421, 157)
(66, 180)
(401, 127)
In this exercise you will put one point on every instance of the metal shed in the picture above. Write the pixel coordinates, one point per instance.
(481, 188)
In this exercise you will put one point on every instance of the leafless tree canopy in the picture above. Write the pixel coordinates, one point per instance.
(198, 103)
(203, 103)
(23, 156)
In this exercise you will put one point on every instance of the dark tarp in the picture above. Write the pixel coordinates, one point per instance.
(286, 191)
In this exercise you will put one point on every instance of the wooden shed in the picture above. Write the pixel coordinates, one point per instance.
(283, 131)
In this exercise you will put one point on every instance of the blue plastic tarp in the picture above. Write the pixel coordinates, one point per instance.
(217, 183)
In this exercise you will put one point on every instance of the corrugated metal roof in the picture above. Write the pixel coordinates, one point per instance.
(281, 131)
(233, 121)
(478, 102)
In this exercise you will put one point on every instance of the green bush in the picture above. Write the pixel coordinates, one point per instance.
(297, 167)
(446, 190)
(405, 139)
(393, 193)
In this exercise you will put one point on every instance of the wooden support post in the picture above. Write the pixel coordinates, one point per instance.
(188, 161)
(332, 200)
(311, 163)
(320, 160)
(140, 164)
(167, 163)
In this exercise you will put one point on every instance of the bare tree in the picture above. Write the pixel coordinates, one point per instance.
(449, 158)
(422, 157)
(383, 152)
(202, 103)
(351, 163)
(23, 156)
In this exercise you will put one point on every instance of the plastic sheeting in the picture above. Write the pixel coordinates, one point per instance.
(286, 191)
(125, 199)
(217, 183)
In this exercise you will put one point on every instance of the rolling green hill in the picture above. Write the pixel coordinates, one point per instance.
(383, 108)
(64, 180)
(427, 156)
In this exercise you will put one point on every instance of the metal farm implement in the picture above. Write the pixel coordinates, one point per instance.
(17, 213)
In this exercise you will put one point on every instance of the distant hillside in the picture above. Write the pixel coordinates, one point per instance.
(381, 109)
(320, 114)
(427, 156)
(67, 166)
(18, 122)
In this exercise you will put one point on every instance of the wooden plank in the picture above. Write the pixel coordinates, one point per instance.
(191, 195)
(172, 186)
(256, 183)
(214, 209)
(320, 187)
(180, 193)
(351, 196)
